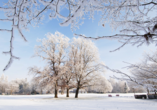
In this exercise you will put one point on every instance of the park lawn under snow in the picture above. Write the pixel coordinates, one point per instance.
(84, 102)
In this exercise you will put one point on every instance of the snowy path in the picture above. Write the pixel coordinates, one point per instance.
(85, 102)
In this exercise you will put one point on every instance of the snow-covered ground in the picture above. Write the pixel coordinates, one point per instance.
(84, 102)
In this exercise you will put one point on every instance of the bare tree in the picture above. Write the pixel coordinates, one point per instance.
(85, 63)
(53, 50)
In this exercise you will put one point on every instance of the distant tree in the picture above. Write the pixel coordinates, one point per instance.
(114, 85)
(18, 86)
(119, 86)
(24, 87)
(3, 84)
(13, 87)
(102, 85)
(126, 88)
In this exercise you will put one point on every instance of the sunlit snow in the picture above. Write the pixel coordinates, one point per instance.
(84, 102)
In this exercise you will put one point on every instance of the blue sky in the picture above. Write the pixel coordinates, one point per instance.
(25, 50)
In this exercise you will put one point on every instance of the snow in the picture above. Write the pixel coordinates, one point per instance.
(84, 102)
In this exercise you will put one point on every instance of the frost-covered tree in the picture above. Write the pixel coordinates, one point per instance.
(53, 50)
(85, 62)
(24, 87)
(20, 86)
(119, 86)
(102, 85)
(143, 74)
(116, 85)
(126, 88)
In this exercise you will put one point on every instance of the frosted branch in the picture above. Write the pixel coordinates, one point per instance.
(5, 30)
(22, 35)
(6, 20)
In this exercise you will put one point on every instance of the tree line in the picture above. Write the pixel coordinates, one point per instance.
(25, 87)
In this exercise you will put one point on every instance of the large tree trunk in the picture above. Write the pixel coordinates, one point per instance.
(77, 92)
(67, 92)
(56, 91)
